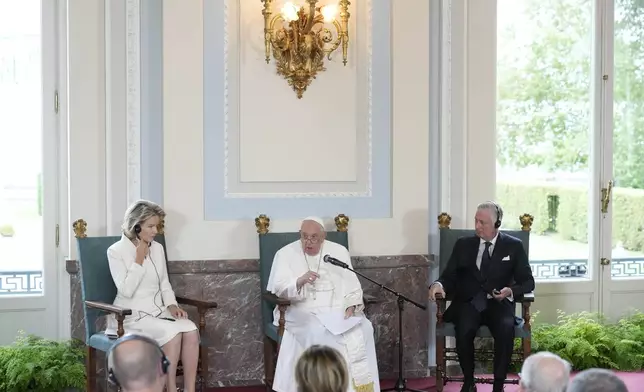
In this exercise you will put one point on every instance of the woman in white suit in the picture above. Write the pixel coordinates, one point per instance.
(138, 267)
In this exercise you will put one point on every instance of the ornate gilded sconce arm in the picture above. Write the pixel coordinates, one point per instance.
(302, 41)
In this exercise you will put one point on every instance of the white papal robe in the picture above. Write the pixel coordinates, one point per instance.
(334, 291)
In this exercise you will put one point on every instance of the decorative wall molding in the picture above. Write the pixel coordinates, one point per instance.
(224, 199)
(440, 120)
(446, 100)
(151, 100)
(133, 99)
(454, 125)
(366, 189)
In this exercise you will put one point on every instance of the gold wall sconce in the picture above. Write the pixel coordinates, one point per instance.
(299, 39)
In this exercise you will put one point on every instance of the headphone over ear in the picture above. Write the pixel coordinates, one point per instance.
(165, 363)
(137, 229)
(499, 215)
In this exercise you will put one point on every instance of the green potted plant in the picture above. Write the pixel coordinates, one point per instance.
(42, 365)
(7, 231)
(589, 340)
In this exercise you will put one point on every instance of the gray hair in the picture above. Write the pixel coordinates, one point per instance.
(545, 372)
(139, 212)
(597, 380)
(495, 209)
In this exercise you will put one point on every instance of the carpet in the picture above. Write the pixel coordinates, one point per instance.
(634, 382)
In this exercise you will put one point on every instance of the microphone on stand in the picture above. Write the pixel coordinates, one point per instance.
(401, 383)
(334, 261)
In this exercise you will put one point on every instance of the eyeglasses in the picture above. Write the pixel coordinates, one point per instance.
(314, 239)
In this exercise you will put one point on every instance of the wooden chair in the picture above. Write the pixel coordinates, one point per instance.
(269, 244)
(99, 291)
(448, 238)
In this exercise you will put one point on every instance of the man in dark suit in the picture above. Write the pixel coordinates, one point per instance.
(484, 275)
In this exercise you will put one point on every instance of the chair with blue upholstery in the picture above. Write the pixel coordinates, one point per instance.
(98, 293)
(269, 244)
(448, 238)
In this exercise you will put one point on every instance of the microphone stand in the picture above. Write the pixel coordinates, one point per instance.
(401, 383)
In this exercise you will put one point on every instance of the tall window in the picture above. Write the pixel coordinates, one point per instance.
(544, 117)
(557, 145)
(21, 148)
(628, 141)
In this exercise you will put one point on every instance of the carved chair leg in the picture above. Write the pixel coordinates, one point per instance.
(90, 367)
(269, 362)
(527, 326)
(203, 371)
(441, 363)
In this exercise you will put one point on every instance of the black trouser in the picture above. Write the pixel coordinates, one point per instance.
(499, 318)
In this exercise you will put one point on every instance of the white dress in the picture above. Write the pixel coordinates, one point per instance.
(146, 290)
(333, 292)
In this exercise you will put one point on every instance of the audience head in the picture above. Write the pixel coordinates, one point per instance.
(141, 220)
(321, 369)
(137, 363)
(312, 234)
(544, 372)
(597, 380)
(488, 220)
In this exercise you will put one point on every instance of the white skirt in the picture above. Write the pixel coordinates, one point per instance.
(153, 327)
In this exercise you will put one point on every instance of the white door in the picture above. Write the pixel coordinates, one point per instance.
(570, 121)
(29, 164)
(622, 244)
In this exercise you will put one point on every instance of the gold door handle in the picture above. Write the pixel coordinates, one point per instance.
(606, 193)
(604, 261)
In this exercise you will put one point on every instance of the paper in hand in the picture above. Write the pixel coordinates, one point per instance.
(336, 323)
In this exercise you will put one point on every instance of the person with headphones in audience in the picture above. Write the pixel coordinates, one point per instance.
(483, 276)
(136, 363)
(138, 267)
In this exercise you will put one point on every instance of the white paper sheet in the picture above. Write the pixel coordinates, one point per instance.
(336, 323)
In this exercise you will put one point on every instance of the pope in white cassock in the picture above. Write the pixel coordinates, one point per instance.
(326, 308)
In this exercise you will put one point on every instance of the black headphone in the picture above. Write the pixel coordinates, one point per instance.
(137, 229)
(165, 363)
(499, 215)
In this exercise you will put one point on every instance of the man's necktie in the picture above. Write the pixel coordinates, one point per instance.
(480, 299)
(486, 258)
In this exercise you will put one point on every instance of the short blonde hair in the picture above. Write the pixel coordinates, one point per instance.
(139, 212)
(321, 369)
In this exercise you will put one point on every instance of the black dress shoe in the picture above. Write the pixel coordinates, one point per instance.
(468, 387)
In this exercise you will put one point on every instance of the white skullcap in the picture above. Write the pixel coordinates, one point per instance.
(314, 219)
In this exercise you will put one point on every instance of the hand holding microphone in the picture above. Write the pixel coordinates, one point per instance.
(142, 250)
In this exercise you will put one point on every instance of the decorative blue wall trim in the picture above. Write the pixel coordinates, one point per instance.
(219, 207)
(152, 100)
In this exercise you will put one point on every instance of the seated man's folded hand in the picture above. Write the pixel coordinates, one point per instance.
(349, 312)
(502, 294)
